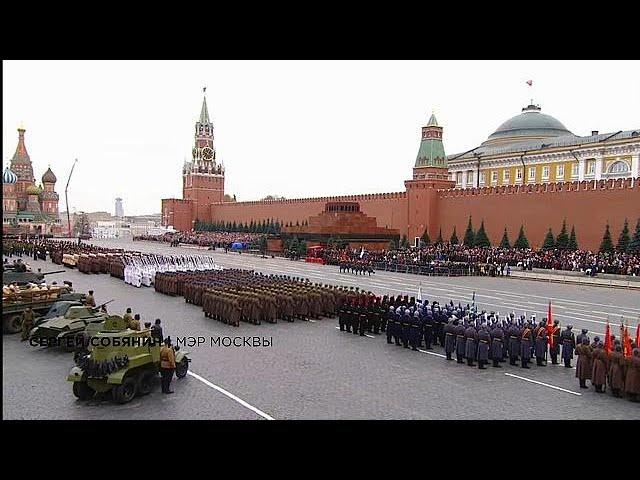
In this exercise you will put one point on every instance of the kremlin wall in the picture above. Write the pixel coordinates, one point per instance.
(587, 181)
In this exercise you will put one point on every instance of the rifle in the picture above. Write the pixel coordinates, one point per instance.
(98, 307)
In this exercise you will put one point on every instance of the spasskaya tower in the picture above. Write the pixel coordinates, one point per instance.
(203, 176)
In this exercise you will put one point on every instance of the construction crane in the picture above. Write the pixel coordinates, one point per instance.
(66, 198)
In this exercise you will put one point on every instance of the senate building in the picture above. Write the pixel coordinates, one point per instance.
(531, 172)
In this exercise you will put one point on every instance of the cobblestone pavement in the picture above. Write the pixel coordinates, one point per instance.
(311, 370)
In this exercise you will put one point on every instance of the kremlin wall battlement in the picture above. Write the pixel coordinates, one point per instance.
(589, 205)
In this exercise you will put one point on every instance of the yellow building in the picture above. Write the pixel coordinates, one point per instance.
(537, 148)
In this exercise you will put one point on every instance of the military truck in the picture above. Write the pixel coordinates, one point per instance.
(67, 331)
(123, 362)
(14, 304)
(23, 278)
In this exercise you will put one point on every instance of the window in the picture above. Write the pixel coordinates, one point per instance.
(545, 171)
(494, 176)
(532, 173)
(518, 174)
(574, 169)
(459, 177)
(619, 167)
(560, 171)
(483, 177)
(591, 167)
(506, 176)
(470, 177)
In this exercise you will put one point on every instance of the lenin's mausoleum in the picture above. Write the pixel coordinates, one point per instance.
(531, 171)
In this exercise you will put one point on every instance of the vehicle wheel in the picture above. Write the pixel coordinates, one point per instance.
(125, 392)
(145, 384)
(82, 391)
(13, 324)
(182, 368)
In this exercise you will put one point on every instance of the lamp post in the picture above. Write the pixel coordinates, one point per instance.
(66, 198)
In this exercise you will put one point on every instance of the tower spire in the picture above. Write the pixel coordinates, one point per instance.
(204, 113)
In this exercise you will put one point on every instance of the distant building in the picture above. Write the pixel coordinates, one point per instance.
(119, 209)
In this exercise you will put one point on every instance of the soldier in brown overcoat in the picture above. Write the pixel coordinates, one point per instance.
(584, 367)
(616, 371)
(599, 373)
(632, 377)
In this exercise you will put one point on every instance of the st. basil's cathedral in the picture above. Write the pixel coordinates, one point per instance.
(27, 207)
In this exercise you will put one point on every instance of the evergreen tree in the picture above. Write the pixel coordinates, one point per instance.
(263, 244)
(228, 227)
(469, 235)
(297, 223)
(481, 238)
(522, 242)
(263, 227)
(549, 241)
(573, 243)
(624, 239)
(439, 239)
(562, 240)
(404, 243)
(392, 245)
(302, 248)
(634, 245)
(234, 227)
(504, 243)
(607, 244)
(197, 225)
(277, 226)
(425, 237)
(294, 245)
(454, 238)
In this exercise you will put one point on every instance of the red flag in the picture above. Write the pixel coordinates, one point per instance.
(607, 339)
(550, 327)
(530, 82)
(626, 343)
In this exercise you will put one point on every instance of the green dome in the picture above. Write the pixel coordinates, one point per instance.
(530, 124)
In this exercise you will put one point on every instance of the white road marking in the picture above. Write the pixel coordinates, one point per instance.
(231, 396)
(544, 384)
(432, 353)
(312, 321)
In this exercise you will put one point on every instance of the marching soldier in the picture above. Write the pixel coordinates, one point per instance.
(599, 372)
(428, 332)
(584, 365)
(497, 342)
(568, 340)
(471, 338)
(540, 335)
(484, 340)
(514, 344)
(525, 345)
(554, 349)
(449, 336)
(461, 344)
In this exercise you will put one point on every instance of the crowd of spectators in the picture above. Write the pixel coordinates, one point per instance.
(203, 239)
(490, 260)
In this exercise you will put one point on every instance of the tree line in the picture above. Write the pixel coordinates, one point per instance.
(472, 238)
(266, 226)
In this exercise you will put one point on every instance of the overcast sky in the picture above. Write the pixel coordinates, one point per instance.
(291, 128)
